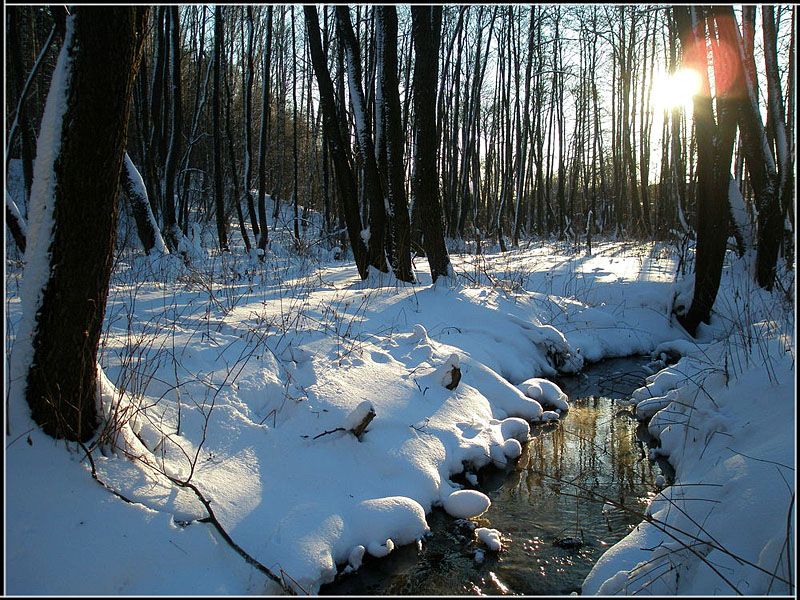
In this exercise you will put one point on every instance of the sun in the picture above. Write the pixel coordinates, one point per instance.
(675, 90)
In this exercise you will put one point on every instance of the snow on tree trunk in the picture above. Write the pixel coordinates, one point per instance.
(374, 189)
(133, 185)
(73, 218)
(16, 223)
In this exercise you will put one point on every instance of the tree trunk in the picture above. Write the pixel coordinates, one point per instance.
(74, 206)
(399, 230)
(262, 141)
(331, 115)
(237, 197)
(171, 232)
(426, 27)
(714, 153)
(248, 126)
(133, 185)
(22, 121)
(219, 189)
(366, 147)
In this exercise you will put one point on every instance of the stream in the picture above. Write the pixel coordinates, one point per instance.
(549, 508)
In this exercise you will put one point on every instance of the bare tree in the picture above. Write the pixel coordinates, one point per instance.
(714, 152)
(219, 189)
(262, 139)
(365, 143)
(76, 181)
(331, 119)
(171, 231)
(399, 226)
(427, 23)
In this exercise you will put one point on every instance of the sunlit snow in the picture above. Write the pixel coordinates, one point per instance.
(247, 377)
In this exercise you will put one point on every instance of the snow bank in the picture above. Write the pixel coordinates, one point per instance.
(722, 431)
(246, 376)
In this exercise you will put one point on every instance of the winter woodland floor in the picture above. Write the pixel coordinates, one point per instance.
(246, 378)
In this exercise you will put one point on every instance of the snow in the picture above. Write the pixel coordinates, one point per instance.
(724, 418)
(243, 377)
(361, 411)
(141, 191)
(490, 537)
(40, 227)
(545, 392)
(466, 504)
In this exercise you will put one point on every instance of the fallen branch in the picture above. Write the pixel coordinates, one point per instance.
(212, 518)
(97, 479)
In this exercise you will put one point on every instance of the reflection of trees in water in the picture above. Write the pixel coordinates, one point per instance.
(556, 489)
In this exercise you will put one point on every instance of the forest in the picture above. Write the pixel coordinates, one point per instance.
(550, 120)
(300, 221)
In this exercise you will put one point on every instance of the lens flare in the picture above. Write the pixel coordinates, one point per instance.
(675, 90)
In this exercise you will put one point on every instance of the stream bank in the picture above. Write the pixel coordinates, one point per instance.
(550, 507)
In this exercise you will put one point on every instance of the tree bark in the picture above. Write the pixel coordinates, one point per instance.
(171, 232)
(714, 152)
(426, 27)
(219, 189)
(79, 187)
(248, 126)
(262, 141)
(331, 118)
(399, 229)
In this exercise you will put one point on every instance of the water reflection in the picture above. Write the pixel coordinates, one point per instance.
(558, 509)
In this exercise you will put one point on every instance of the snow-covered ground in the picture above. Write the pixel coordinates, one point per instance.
(251, 381)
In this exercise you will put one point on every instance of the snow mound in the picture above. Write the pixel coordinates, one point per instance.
(514, 427)
(466, 504)
(490, 537)
(395, 518)
(545, 392)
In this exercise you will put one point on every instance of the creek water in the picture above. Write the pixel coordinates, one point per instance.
(550, 507)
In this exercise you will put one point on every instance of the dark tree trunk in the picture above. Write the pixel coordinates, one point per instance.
(171, 231)
(23, 124)
(219, 189)
(343, 174)
(399, 230)
(248, 126)
(232, 155)
(154, 159)
(780, 177)
(714, 152)
(426, 27)
(105, 45)
(262, 142)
